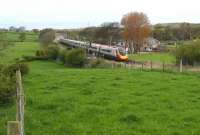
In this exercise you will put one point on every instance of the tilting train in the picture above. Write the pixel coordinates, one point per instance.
(109, 52)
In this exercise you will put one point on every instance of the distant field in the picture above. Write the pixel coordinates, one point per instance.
(61, 100)
(19, 49)
(14, 36)
(153, 56)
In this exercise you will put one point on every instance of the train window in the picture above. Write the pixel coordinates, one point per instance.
(93, 47)
(106, 50)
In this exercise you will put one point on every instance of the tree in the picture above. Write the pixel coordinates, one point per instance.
(22, 37)
(136, 30)
(108, 33)
(88, 34)
(76, 57)
(12, 28)
(185, 31)
(21, 29)
(46, 37)
(36, 31)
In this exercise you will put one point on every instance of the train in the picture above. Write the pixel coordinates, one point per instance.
(105, 51)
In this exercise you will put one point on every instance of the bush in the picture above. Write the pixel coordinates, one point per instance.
(52, 52)
(190, 53)
(98, 63)
(8, 81)
(32, 58)
(11, 70)
(76, 57)
(7, 89)
(41, 53)
(62, 54)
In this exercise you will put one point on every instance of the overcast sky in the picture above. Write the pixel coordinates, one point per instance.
(82, 13)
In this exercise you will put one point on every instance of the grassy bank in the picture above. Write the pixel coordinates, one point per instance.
(61, 100)
(153, 56)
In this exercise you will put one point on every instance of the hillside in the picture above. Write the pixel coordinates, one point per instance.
(61, 100)
(175, 25)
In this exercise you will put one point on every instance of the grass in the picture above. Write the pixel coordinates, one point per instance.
(62, 100)
(14, 36)
(19, 49)
(153, 56)
(85, 101)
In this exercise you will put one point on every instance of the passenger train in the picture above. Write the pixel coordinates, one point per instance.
(109, 52)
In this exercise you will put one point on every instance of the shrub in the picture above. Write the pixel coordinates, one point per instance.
(7, 89)
(62, 54)
(76, 57)
(37, 53)
(52, 51)
(41, 53)
(189, 53)
(8, 81)
(11, 70)
(32, 58)
(98, 63)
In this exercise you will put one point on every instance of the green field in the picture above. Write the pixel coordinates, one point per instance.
(153, 56)
(14, 36)
(61, 100)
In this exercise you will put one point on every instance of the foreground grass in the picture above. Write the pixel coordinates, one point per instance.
(154, 56)
(84, 101)
(62, 101)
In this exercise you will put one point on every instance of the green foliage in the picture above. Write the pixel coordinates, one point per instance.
(11, 69)
(76, 57)
(22, 37)
(176, 31)
(41, 53)
(46, 37)
(8, 82)
(62, 55)
(52, 52)
(189, 53)
(98, 63)
(7, 89)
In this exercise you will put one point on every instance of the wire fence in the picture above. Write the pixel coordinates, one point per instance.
(152, 66)
(17, 127)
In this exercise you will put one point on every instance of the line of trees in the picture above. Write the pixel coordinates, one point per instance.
(134, 29)
(174, 32)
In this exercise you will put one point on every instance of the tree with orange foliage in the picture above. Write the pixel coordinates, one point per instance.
(136, 30)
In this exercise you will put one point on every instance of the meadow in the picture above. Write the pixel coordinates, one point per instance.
(62, 100)
(154, 57)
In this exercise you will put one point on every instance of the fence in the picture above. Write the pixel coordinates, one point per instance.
(17, 127)
(161, 66)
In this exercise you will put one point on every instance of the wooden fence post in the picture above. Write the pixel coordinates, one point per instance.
(151, 65)
(142, 66)
(163, 66)
(13, 128)
(181, 65)
(20, 102)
